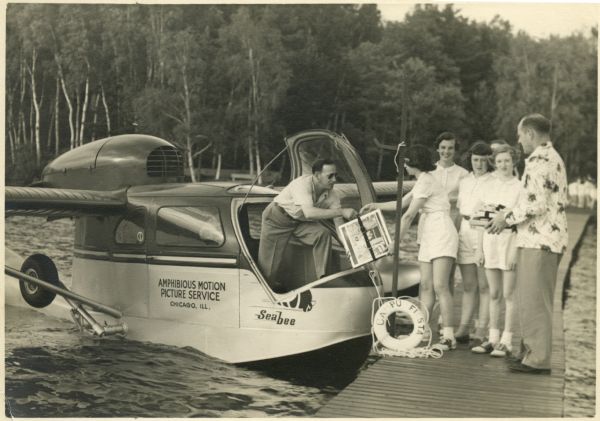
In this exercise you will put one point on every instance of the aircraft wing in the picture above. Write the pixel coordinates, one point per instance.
(390, 188)
(60, 203)
(383, 189)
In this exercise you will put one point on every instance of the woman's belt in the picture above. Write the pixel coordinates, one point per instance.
(447, 211)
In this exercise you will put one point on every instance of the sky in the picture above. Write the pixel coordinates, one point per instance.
(537, 19)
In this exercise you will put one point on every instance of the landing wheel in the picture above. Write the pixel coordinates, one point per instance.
(41, 267)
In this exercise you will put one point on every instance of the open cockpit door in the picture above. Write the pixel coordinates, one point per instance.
(353, 180)
(354, 186)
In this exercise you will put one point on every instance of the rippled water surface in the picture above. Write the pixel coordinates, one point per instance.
(580, 331)
(52, 370)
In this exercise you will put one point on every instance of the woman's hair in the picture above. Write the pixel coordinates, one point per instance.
(445, 136)
(498, 142)
(506, 149)
(419, 157)
(479, 148)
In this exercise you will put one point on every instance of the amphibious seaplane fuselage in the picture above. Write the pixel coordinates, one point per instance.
(179, 260)
(181, 268)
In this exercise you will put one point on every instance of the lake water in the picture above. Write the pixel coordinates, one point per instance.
(580, 330)
(54, 371)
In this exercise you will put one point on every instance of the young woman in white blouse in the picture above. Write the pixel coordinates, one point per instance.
(498, 253)
(436, 236)
(470, 191)
(447, 172)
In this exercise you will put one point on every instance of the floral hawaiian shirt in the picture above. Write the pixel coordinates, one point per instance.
(541, 213)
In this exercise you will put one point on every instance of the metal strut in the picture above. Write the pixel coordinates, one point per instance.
(84, 320)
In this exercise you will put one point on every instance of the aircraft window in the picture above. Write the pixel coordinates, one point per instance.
(189, 226)
(130, 230)
(95, 232)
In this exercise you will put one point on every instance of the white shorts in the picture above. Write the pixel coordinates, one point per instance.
(467, 244)
(436, 236)
(495, 249)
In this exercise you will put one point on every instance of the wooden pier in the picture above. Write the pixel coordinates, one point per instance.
(462, 384)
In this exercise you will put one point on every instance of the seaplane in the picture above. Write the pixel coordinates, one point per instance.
(160, 260)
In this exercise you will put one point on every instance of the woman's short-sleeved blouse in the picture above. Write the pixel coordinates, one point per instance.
(470, 191)
(428, 187)
(449, 178)
(502, 192)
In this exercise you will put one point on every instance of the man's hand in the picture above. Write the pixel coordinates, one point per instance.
(497, 224)
(348, 213)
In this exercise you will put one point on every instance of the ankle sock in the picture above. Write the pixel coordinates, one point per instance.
(448, 332)
(494, 336)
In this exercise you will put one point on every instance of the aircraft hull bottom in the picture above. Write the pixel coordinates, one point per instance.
(238, 345)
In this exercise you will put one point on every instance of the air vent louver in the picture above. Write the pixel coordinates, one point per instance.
(164, 161)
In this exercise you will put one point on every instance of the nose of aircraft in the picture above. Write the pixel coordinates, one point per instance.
(408, 274)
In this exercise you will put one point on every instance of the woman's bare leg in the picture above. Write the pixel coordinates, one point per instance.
(494, 277)
(426, 293)
(469, 299)
(509, 280)
(442, 267)
(484, 303)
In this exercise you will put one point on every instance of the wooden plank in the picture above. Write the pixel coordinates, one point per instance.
(462, 384)
(418, 408)
(502, 402)
(451, 394)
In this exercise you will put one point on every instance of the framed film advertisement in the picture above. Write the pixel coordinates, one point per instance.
(365, 238)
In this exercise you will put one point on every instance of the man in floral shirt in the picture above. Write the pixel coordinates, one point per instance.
(541, 223)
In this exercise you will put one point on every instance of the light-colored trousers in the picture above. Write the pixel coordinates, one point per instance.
(277, 229)
(536, 281)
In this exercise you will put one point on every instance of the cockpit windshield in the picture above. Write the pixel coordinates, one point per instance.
(317, 148)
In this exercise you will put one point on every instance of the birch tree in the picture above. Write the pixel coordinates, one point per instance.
(257, 74)
(184, 69)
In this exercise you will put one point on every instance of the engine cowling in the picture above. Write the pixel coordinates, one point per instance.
(115, 162)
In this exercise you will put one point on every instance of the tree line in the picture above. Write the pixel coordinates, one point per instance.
(226, 83)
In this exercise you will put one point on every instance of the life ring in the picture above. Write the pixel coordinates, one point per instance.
(396, 306)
